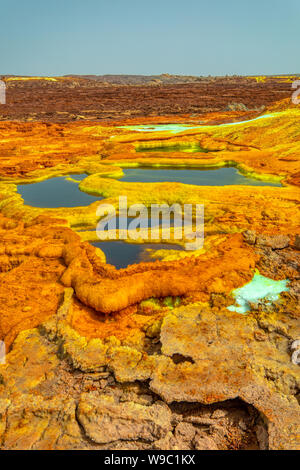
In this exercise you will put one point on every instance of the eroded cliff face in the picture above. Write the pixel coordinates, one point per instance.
(149, 356)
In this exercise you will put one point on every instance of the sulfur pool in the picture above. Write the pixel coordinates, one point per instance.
(199, 177)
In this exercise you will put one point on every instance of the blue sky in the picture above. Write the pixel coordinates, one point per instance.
(193, 37)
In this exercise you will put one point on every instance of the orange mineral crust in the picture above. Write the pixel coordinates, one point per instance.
(124, 325)
(30, 149)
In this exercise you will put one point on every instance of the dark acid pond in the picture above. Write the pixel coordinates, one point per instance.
(60, 192)
(56, 192)
(121, 254)
(200, 177)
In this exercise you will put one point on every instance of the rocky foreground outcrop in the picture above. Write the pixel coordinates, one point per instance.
(65, 99)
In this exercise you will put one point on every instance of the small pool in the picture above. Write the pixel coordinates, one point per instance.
(212, 177)
(56, 192)
(122, 254)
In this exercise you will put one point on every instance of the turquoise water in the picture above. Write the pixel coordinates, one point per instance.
(56, 192)
(175, 128)
(122, 254)
(212, 177)
(260, 287)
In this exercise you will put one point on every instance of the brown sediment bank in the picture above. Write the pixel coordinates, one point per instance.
(86, 340)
